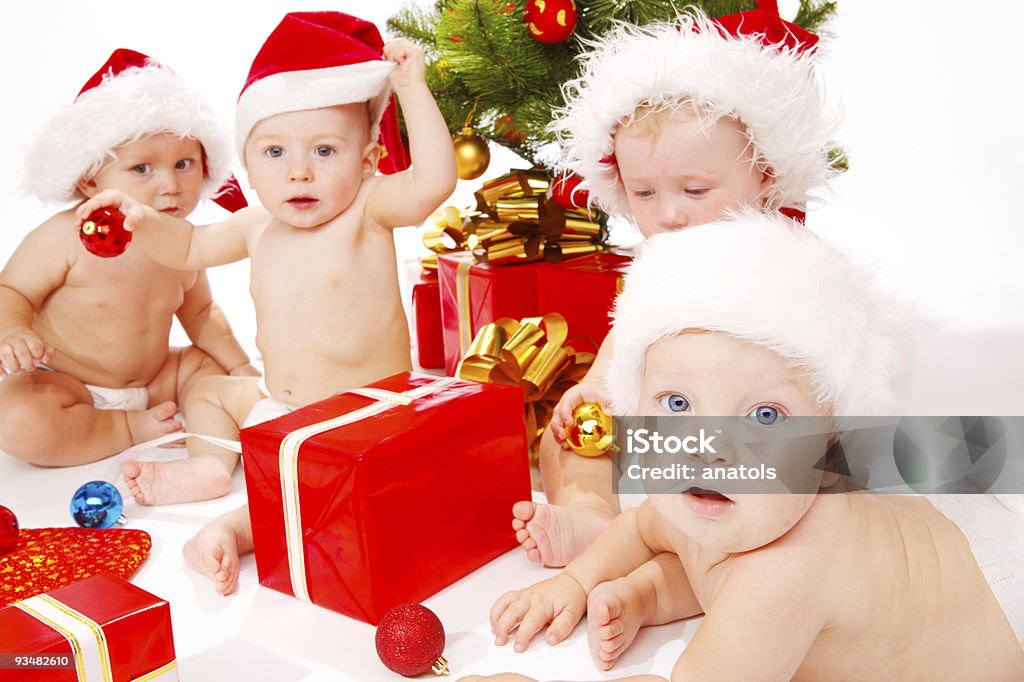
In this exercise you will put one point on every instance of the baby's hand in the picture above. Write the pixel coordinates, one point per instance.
(583, 392)
(21, 349)
(134, 212)
(409, 58)
(560, 601)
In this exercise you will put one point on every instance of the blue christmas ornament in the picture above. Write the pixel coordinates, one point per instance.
(97, 504)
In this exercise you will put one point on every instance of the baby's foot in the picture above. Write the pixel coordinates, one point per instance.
(214, 553)
(616, 610)
(157, 421)
(554, 535)
(182, 480)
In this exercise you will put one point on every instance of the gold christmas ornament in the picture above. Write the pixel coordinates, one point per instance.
(592, 431)
(471, 154)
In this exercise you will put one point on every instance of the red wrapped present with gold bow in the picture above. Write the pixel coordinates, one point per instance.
(583, 291)
(530, 353)
(476, 294)
(385, 494)
(488, 257)
(101, 629)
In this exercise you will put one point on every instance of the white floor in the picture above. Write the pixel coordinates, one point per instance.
(258, 634)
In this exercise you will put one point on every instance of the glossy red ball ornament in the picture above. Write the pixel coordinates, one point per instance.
(410, 641)
(8, 530)
(103, 233)
(550, 21)
(565, 190)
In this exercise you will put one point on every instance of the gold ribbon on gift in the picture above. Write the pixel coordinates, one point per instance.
(514, 221)
(530, 353)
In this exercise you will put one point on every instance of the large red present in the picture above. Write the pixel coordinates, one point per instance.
(385, 494)
(583, 291)
(426, 322)
(475, 294)
(101, 628)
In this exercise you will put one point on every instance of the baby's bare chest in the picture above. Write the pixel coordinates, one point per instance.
(314, 265)
(127, 285)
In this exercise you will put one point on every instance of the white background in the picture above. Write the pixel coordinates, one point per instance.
(933, 109)
(933, 105)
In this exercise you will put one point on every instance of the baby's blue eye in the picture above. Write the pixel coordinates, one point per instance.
(274, 152)
(142, 168)
(674, 402)
(697, 192)
(643, 193)
(324, 150)
(766, 415)
(183, 164)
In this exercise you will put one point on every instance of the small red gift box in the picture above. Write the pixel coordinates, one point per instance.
(385, 494)
(426, 322)
(583, 291)
(102, 628)
(474, 294)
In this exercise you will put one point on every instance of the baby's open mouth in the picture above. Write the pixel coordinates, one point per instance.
(707, 503)
(705, 494)
(302, 202)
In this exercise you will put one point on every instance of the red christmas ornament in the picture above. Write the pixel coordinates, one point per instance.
(565, 190)
(550, 21)
(8, 530)
(103, 233)
(410, 641)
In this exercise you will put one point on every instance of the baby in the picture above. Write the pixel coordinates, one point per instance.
(324, 274)
(672, 126)
(774, 324)
(84, 340)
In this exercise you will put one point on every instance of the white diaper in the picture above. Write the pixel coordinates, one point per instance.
(103, 398)
(267, 409)
(995, 531)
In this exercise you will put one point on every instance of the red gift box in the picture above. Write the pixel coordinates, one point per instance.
(426, 321)
(474, 294)
(583, 291)
(385, 494)
(120, 633)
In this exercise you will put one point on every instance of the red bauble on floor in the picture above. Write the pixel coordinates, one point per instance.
(410, 641)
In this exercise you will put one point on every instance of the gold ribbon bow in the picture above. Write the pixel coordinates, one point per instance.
(530, 353)
(515, 221)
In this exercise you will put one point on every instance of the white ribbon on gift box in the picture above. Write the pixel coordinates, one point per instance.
(87, 639)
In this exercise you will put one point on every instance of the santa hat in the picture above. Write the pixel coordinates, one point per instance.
(752, 66)
(314, 60)
(764, 279)
(129, 97)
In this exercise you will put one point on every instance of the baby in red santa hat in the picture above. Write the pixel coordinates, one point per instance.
(757, 318)
(671, 126)
(313, 120)
(83, 339)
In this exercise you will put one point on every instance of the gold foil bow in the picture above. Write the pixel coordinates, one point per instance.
(530, 353)
(515, 221)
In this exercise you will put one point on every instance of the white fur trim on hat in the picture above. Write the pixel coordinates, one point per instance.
(773, 91)
(287, 91)
(773, 283)
(121, 109)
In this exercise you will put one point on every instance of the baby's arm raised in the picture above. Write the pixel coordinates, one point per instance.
(36, 268)
(208, 328)
(409, 197)
(174, 242)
